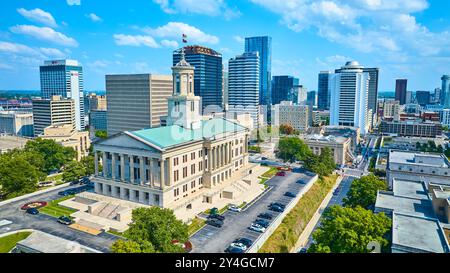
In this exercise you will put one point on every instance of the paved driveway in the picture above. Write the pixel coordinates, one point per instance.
(216, 240)
(21, 220)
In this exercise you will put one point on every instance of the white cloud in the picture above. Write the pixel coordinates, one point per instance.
(205, 7)
(94, 17)
(239, 39)
(73, 2)
(169, 43)
(38, 16)
(135, 40)
(176, 29)
(45, 34)
(26, 51)
(366, 25)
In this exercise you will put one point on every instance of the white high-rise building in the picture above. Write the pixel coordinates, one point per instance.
(349, 89)
(243, 85)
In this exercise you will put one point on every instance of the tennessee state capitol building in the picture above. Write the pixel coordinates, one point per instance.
(179, 166)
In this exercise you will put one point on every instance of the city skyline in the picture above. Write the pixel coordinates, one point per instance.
(413, 44)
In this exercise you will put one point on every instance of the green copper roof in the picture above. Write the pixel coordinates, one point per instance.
(165, 137)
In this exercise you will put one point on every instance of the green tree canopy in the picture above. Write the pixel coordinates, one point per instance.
(73, 171)
(292, 149)
(54, 155)
(363, 192)
(322, 164)
(17, 175)
(154, 230)
(101, 134)
(350, 230)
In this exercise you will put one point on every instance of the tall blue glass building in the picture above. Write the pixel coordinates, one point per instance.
(207, 75)
(282, 87)
(323, 93)
(64, 78)
(445, 91)
(262, 45)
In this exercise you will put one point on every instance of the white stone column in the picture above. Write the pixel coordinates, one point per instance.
(213, 159)
(142, 170)
(105, 189)
(113, 166)
(169, 172)
(122, 193)
(141, 197)
(151, 176)
(131, 169)
(162, 175)
(96, 163)
(105, 165)
(122, 167)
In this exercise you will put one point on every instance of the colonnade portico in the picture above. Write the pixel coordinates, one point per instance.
(219, 156)
(137, 170)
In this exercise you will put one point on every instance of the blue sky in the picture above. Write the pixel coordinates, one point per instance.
(405, 38)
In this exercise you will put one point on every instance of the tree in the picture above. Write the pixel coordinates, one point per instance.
(292, 149)
(363, 192)
(54, 155)
(89, 165)
(286, 129)
(73, 171)
(350, 230)
(17, 176)
(101, 134)
(154, 229)
(122, 246)
(322, 164)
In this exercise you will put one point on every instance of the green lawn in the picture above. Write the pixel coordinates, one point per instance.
(270, 173)
(196, 224)
(54, 209)
(9, 242)
(286, 235)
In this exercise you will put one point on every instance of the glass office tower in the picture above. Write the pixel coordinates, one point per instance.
(64, 78)
(207, 75)
(282, 87)
(262, 45)
(323, 92)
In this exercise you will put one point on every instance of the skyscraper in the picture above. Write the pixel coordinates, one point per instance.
(262, 45)
(349, 105)
(401, 86)
(373, 89)
(208, 73)
(282, 87)
(311, 99)
(64, 78)
(243, 85)
(423, 97)
(323, 102)
(445, 91)
(137, 101)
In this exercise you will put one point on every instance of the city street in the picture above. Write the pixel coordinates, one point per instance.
(216, 240)
(21, 220)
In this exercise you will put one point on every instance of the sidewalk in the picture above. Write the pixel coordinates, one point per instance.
(33, 194)
(303, 239)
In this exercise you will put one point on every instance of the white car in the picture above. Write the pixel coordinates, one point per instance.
(234, 208)
(239, 245)
(257, 228)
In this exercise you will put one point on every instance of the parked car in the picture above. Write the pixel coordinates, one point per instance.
(336, 191)
(73, 183)
(247, 242)
(266, 216)
(65, 220)
(290, 194)
(45, 184)
(263, 223)
(32, 211)
(303, 250)
(276, 208)
(217, 216)
(257, 228)
(63, 193)
(234, 208)
(232, 249)
(301, 182)
(239, 245)
(278, 204)
(215, 223)
(214, 211)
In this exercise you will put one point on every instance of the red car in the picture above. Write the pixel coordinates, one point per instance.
(281, 174)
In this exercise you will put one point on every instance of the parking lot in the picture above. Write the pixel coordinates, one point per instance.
(215, 240)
